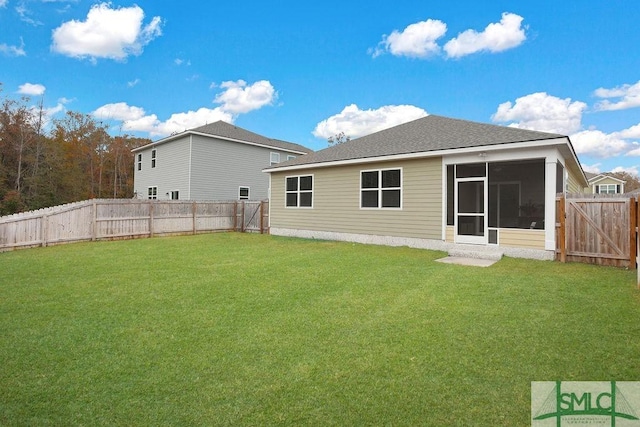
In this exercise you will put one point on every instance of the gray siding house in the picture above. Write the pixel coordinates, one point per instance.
(434, 183)
(218, 161)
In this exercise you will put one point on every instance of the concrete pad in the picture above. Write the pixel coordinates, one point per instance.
(475, 262)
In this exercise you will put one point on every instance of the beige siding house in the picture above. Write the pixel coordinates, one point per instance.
(434, 183)
(604, 184)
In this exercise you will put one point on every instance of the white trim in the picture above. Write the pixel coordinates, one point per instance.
(425, 154)
(600, 177)
(240, 187)
(190, 160)
(298, 191)
(271, 157)
(150, 192)
(550, 173)
(379, 189)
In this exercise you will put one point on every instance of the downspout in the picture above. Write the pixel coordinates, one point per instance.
(190, 157)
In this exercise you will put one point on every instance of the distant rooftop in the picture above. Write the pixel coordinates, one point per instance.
(228, 131)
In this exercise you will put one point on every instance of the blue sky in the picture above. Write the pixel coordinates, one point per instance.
(301, 71)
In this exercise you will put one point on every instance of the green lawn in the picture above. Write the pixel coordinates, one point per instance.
(240, 329)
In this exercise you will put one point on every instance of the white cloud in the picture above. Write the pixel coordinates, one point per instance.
(355, 122)
(119, 111)
(238, 97)
(22, 11)
(595, 168)
(629, 97)
(542, 112)
(631, 170)
(632, 132)
(106, 33)
(496, 37)
(3, 3)
(135, 119)
(417, 40)
(133, 83)
(13, 50)
(178, 122)
(599, 144)
(31, 89)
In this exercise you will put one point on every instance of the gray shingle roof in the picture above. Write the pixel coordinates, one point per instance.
(430, 133)
(227, 130)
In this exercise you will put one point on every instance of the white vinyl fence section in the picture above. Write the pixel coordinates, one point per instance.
(129, 218)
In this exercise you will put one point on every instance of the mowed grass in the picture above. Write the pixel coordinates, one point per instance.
(239, 329)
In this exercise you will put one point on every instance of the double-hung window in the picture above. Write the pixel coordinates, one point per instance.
(140, 161)
(243, 193)
(607, 189)
(153, 158)
(299, 191)
(381, 189)
(274, 158)
(152, 192)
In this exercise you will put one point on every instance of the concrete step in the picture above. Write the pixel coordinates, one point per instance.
(476, 253)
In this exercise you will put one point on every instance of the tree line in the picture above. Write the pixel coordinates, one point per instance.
(51, 162)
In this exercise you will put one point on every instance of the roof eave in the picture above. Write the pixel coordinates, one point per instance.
(426, 154)
(209, 135)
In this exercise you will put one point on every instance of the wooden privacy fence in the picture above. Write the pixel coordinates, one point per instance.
(129, 218)
(597, 230)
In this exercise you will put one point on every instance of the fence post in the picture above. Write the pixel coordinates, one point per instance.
(44, 229)
(632, 238)
(562, 230)
(150, 218)
(193, 212)
(242, 218)
(94, 220)
(262, 217)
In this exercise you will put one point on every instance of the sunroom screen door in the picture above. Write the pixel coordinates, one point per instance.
(471, 217)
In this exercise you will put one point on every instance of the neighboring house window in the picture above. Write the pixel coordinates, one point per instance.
(381, 188)
(299, 191)
(140, 162)
(275, 158)
(175, 195)
(243, 193)
(607, 189)
(290, 157)
(153, 193)
(153, 158)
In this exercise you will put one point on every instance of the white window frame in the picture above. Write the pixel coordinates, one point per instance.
(274, 158)
(240, 192)
(153, 158)
(380, 189)
(298, 192)
(152, 192)
(139, 161)
(607, 187)
(176, 193)
(290, 157)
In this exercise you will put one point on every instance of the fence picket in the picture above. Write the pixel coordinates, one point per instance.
(101, 219)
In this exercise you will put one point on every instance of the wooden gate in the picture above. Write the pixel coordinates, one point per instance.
(252, 216)
(598, 230)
